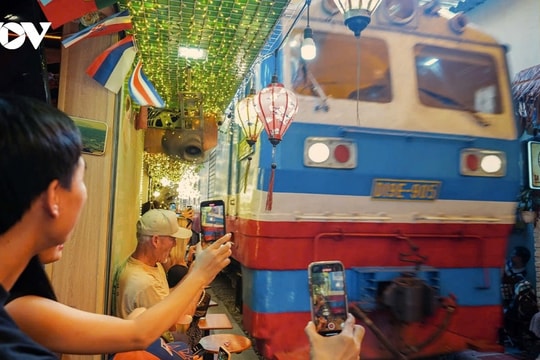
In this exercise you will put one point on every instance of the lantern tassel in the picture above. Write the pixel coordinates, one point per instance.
(246, 174)
(270, 188)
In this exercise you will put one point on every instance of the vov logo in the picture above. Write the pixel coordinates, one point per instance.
(22, 31)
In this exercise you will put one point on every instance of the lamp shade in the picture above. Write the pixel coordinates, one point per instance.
(247, 118)
(357, 13)
(276, 107)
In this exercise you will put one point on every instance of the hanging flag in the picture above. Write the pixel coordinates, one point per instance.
(141, 89)
(112, 66)
(59, 12)
(110, 25)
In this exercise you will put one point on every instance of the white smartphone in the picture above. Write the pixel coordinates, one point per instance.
(329, 307)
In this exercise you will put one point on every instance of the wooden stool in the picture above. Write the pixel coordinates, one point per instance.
(232, 342)
(214, 322)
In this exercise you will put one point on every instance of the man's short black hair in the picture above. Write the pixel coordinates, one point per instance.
(38, 144)
(523, 253)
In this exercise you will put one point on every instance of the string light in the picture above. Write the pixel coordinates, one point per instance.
(233, 33)
(188, 187)
(161, 166)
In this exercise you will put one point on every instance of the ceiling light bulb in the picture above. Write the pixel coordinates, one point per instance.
(308, 51)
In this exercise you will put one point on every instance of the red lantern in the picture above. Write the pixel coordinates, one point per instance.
(276, 107)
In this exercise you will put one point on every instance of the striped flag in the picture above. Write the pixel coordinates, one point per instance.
(112, 66)
(59, 12)
(113, 24)
(142, 91)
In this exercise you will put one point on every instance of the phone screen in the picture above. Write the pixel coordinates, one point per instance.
(329, 307)
(212, 220)
(223, 354)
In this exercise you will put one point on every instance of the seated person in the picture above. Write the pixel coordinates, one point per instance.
(518, 295)
(159, 349)
(64, 329)
(515, 271)
(141, 281)
(175, 274)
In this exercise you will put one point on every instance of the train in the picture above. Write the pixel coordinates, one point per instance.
(402, 162)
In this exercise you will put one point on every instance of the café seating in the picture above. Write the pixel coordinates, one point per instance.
(215, 321)
(232, 342)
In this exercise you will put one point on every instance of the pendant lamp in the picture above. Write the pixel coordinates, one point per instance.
(357, 13)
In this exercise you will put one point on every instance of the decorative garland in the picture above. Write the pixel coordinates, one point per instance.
(162, 166)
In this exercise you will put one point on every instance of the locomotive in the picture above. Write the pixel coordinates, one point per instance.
(402, 162)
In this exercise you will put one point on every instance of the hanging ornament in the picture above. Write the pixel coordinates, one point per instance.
(276, 107)
(247, 117)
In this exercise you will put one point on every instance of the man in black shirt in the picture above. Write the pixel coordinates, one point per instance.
(41, 195)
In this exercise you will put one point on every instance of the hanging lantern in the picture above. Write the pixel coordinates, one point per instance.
(357, 13)
(247, 117)
(276, 107)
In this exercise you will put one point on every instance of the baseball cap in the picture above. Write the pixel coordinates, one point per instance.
(161, 222)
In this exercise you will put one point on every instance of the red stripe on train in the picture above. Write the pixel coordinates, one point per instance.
(293, 245)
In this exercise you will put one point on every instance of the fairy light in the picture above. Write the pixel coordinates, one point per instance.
(225, 28)
(188, 187)
(161, 166)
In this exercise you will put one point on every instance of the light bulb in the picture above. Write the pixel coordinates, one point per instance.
(308, 51)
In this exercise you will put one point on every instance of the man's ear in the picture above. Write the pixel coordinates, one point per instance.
(155, 240)
(51, 199)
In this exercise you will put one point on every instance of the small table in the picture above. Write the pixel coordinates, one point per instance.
(232, 342)
(214, 322)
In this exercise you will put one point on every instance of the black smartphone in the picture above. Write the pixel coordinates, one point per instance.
(212, 220)
(329, 307)
(197, 349)
(223, 354)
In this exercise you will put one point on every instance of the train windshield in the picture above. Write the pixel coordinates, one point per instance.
(333, 72)
(456, 79)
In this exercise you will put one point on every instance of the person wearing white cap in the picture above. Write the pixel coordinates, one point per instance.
(141, 281)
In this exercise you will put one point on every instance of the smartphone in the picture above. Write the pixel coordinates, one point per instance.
(223, 354)
(329, 307)
(197, 350)
(212, 219)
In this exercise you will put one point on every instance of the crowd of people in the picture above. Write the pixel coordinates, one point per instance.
(42, 193)
(521, 323)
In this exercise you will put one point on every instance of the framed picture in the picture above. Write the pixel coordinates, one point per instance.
(533, 150)
(94, 135)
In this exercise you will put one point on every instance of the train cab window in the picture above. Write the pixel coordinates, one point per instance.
(456, 79)
(333, 72)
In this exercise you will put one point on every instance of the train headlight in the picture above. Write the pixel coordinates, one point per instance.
(479, 162)
(327, 152)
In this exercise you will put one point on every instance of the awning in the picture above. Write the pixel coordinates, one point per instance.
(526, 95)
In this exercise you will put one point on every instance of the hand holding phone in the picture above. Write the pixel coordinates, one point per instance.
(345, 345)
(212, 219)
(223, 354)
(329, 307)
(197, 349)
